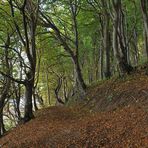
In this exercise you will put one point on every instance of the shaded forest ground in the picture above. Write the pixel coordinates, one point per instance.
(114, 116)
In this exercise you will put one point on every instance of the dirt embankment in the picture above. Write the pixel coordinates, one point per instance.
(118, 93)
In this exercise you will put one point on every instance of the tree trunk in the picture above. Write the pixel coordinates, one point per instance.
(57, 90)
(2, 102)
(34, 101)
(101, 62)
(119, 42)
(135, 45)
(78, 76)
(28, 101)
(2, 127)
(144, 7)
(18, 108)
(90, 75)
(107, 47)
(65, 93)
(48, 89)
(6, 87)
(146, 43)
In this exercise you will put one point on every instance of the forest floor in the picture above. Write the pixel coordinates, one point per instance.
(115, 116)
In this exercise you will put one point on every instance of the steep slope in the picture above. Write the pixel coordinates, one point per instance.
(116, 93)
(63, 127)
(123, 122)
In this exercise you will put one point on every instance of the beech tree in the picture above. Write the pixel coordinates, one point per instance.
(144, 7)
(29, 16)
(29, 13)
(64, 41)
(119, 38)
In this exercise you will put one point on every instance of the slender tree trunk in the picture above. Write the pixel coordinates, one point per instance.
(65, 93)
(106, 39)
(6, 86)
(2, 127)
(18, 108)
(90, 76)
(57, 90)
(135, 45)
(145, 43)
(101, 63)
(78, 75)
(17, 101)
(107, 47)
(79, 79)
(28, 101)
(115, 38)
(48, 89)
(34, 101)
